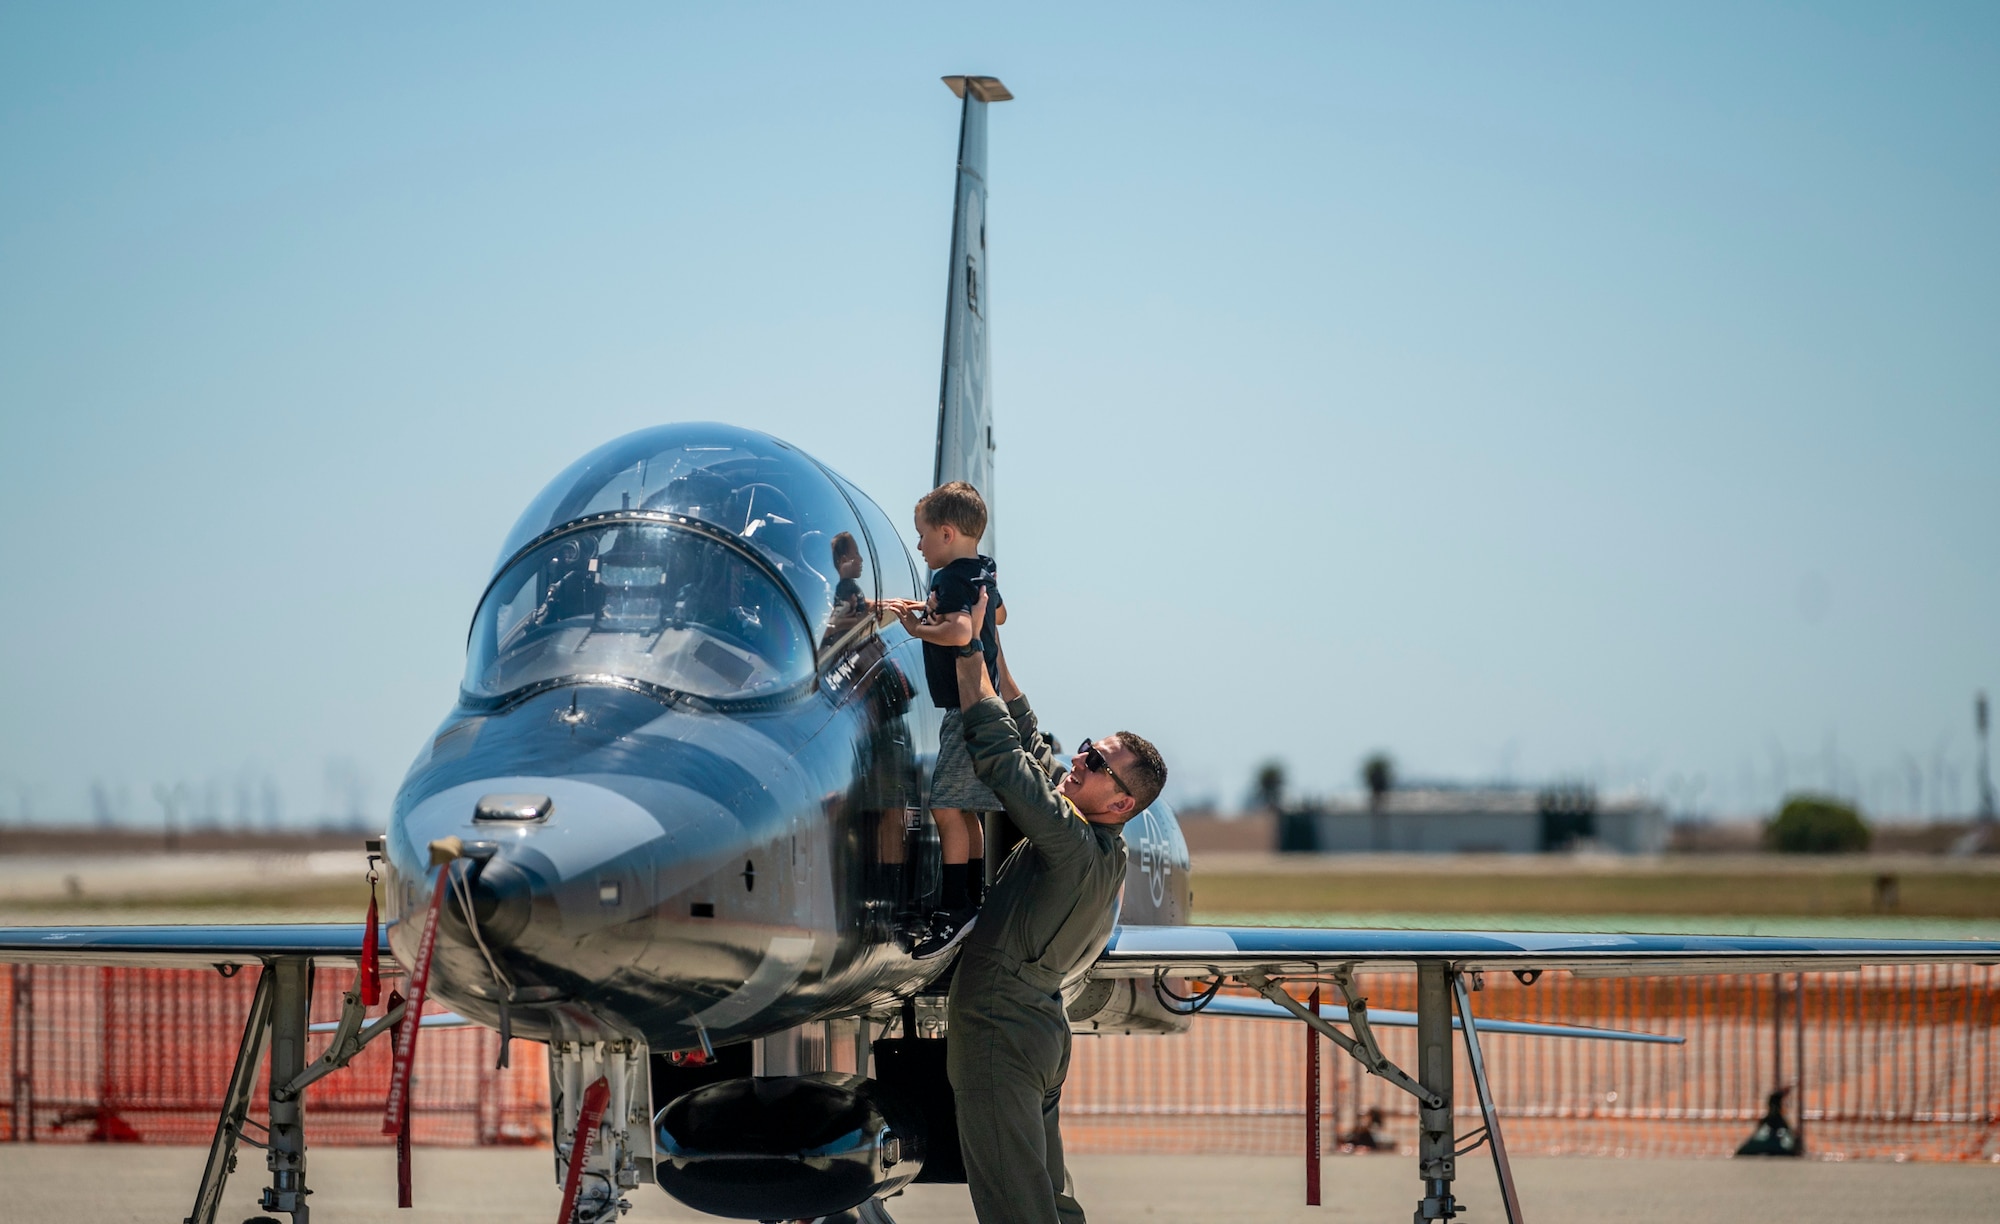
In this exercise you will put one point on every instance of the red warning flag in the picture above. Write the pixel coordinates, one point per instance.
(371, 952)
(403, 1198)
(595, 1098)
(406, 1032)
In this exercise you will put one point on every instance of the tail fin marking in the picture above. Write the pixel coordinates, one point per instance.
(965, 400)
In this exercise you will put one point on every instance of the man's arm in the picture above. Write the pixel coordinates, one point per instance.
(1025, 721)
(1002, 760)
(1010, 692)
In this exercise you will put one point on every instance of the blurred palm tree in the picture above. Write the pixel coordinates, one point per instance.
(1269, 785)
(1378, 774)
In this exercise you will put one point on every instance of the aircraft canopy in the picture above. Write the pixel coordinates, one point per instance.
(772, 496)
(656, 603)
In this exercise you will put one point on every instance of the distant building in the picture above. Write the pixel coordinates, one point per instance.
(1479, 820)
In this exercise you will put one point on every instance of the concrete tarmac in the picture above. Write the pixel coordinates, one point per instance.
(114, 1184)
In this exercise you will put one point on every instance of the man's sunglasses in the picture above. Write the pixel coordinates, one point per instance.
(1094, 760)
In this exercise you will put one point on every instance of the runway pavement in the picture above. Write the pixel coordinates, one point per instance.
(31, 878)
(113, 1184)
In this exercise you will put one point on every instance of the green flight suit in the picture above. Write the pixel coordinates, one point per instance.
(1049, 910)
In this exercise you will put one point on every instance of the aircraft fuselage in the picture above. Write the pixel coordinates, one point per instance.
(690, 868)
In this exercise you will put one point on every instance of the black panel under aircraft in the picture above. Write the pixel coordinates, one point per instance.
(786, 1147)
(913, 1069)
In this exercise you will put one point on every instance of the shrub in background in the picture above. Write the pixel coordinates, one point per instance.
(1815, 824)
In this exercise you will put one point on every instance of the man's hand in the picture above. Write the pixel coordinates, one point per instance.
(974, 685)
(978, 610)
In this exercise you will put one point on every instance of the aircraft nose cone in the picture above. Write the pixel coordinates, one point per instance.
(549, 861)
(502, 899)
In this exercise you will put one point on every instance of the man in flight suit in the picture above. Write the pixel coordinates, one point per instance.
(1049, 910)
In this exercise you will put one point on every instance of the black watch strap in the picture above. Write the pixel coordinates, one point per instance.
(973, 647)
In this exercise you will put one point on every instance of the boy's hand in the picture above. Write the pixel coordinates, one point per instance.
(911, 613)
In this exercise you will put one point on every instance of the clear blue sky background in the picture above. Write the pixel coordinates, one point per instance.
(1533, 392)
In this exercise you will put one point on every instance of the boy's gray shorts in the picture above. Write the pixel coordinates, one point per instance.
(953, 784)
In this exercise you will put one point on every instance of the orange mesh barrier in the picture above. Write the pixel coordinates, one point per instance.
(142, 1055)
(1898, 1063)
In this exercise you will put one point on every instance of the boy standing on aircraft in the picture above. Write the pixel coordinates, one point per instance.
(950, 521)
(1049, 913)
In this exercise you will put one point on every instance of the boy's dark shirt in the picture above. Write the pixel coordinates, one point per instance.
(957, 589)
(847, 594)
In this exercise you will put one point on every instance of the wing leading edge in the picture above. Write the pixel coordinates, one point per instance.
(1141, 951)
(191, 946)
(1383, 1017)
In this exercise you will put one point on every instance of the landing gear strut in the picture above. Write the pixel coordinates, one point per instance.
(1437, 1160)
(1439, 984)
(616, 1139)
(291, 1001)
(277, 1026)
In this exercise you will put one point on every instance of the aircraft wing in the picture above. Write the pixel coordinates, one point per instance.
(191, 946)
(1201, 951)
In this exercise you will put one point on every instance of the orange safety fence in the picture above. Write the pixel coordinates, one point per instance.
(1897, 1063)
(143, 1055)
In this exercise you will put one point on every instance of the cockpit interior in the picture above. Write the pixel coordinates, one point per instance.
(638, 601)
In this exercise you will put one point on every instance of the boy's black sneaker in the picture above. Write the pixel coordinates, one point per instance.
(947, 928)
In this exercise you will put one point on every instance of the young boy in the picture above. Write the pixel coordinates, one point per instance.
(950, 521)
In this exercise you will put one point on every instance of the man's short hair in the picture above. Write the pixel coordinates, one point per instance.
(1148, 773)
(956, 505)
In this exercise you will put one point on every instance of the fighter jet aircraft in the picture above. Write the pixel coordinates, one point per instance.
(673, 826)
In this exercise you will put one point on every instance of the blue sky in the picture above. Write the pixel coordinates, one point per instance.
(1530, 391)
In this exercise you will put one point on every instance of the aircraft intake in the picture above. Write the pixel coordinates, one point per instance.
(786, 1147)
(502, 899)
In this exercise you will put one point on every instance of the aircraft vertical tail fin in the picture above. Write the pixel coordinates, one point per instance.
(965, 393)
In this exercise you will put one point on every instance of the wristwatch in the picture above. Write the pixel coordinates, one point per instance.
(971, 648)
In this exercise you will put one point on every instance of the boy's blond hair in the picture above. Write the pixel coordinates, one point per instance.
(956, 505)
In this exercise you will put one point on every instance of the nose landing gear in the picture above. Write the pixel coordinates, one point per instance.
(613, 1117)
